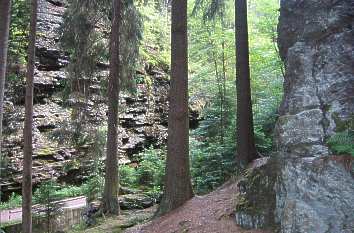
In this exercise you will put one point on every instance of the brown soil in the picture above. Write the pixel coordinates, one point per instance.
(212, 213)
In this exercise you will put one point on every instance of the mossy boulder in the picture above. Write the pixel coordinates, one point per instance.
(256, 203)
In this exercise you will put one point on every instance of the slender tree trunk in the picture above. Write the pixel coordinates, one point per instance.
(223, 93)
(246, 150)
(223, 105)
(5, 6)
(27, 132)
(110, 195)
(178, 187)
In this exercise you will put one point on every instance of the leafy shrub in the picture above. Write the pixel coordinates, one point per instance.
(151, 169)
(19, 31)
(93, 187)
(148, 176)
(69, 191)
(127, 176)
(212, 165)
(71, 165)
(58, 192)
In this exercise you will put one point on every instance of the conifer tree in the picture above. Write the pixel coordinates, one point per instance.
(110, 194)
(246, 149)
(27, 132)
(178, 187)
(5, 6)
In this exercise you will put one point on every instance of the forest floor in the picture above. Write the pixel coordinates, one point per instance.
(212, 213)
(128, 218)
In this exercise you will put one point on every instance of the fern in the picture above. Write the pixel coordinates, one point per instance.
(342, 143)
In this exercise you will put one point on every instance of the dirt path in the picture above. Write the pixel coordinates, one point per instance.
(211, 213)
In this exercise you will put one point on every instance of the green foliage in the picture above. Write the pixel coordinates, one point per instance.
(93, 187)
(18, 31)
(71, 165)
(212, 64)
(48, 199)
(85, 34)
(155, 49)
(211, 8)
(127, 176)
(58, 192)
(212, 77)
(342, 143)
(46, 193)
(14, 202)
(148, 176)
(69, 191)
(212, 165)
(151, 168)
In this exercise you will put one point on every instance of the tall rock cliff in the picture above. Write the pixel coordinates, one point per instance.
(307, 188)
(316, 40)
(142, 116)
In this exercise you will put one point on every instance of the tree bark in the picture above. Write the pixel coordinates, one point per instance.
(110, 195)
(27, 132)
(178, 187)
(5, 6)
(246, 150)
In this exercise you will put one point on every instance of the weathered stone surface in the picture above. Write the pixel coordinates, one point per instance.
(314, 192)
(257, 199)
(316, 41)
(295, 140)
(316, 195)
(135, 201)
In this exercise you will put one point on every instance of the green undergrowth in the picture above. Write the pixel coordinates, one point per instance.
(148, 175)
(342, 143)
(61, 192)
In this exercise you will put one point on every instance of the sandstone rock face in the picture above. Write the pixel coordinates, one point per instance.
(316, 195)
(316, 40)
(257, 199)
(314, 191)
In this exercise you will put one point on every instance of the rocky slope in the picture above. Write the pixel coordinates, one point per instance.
(143, 116)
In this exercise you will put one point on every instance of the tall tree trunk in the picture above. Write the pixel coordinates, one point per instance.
(178, 187)
(27, 132)
(246, 150)
(5, 6)
(223, 93)
(110, 195)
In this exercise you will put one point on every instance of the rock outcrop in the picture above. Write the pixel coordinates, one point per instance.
(257, 200)
(316, 195)
(313, 189)
(316, 40)
(143, 115)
